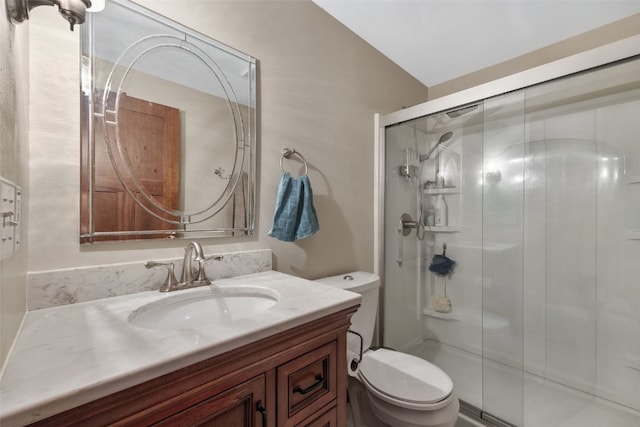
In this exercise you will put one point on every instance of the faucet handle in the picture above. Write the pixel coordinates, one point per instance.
(213, 257)
(201, 274)
(170, 282)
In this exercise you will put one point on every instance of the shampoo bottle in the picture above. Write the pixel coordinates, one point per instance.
(431, 217)
(440, 211)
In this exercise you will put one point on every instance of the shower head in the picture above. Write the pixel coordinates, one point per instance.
(443, 138)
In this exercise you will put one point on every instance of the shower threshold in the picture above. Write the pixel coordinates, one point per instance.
(476, 417)
(546, 403)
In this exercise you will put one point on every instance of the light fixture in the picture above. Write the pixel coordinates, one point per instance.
(71, 10)
(96, 6)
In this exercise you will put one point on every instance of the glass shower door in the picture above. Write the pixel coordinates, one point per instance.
(503, 177)
(579, 306)
(543, 327)
(401, 312)
(445, 150)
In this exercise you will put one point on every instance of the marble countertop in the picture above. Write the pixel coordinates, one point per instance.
(70, 355)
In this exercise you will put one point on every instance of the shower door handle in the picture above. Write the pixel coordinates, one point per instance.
(404, 228)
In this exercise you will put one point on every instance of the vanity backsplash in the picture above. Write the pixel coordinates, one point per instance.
(68, 286)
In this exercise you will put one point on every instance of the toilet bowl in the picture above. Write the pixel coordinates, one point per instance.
(387, 387)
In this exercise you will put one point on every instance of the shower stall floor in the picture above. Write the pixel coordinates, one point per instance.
(546, 403)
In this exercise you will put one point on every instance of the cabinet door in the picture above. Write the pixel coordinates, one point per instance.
(241, 406)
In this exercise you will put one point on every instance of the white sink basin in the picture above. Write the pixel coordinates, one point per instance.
(203, 307)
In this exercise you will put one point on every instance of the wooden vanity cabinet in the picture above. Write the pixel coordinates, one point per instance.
(293, 378)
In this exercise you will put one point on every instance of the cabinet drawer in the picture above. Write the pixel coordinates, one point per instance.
(328, 419)
(306, 384)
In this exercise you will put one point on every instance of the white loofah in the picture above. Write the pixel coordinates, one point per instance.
(441, 304)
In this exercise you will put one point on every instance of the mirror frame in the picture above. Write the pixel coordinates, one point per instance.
(99, 109)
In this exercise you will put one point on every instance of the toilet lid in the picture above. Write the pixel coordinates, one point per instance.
(401, 378)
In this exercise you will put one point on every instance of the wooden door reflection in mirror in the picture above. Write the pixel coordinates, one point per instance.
(154, 134)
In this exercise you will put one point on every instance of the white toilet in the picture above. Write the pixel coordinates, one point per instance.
(390, 388)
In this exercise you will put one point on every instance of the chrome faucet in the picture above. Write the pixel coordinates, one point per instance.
(193, 250)
(187, 271)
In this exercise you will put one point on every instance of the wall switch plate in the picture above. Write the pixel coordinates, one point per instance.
(10, 198)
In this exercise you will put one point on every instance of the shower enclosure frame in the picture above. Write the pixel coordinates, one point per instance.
(587, 60)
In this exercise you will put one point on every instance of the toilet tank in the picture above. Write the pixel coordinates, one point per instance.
(364, 320)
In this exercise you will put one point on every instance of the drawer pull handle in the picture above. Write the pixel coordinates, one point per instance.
(319, 380)
(263, 412)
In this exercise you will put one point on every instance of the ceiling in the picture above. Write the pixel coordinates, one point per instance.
(438, 40)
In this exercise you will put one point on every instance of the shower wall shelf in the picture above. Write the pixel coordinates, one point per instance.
(448, 190)
(632, 195)
(427, 311)
(632, 179)
(632, 234)
(447, 185)
(443, 229)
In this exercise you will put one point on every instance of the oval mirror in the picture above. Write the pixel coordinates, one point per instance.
(168, 130)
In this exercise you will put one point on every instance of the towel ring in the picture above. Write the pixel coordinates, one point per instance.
(286, 153)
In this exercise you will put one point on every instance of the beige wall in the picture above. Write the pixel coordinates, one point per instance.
(319, 88)
(14, 45)
(618, 30)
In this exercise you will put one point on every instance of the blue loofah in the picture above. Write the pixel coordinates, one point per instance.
(442, 265)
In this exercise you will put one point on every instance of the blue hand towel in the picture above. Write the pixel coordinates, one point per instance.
(295, 216)
(307, 224)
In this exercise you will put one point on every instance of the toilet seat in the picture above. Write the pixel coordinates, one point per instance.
(405, 380)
